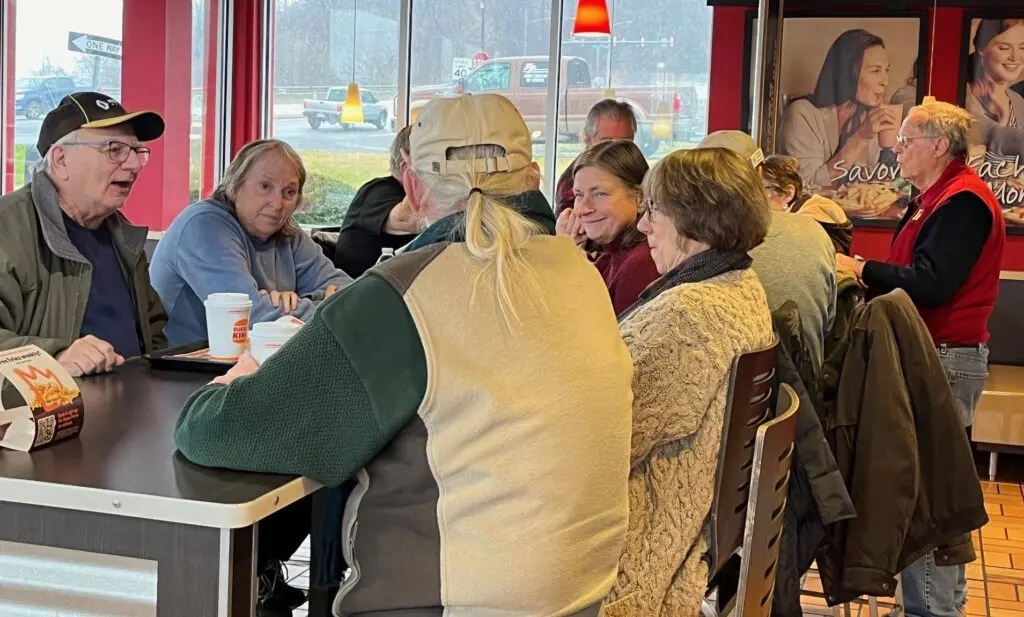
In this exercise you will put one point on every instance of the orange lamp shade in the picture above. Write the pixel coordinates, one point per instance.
(591, 19)
(352, 113)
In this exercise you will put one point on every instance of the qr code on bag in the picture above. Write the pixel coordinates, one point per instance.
(45, 428)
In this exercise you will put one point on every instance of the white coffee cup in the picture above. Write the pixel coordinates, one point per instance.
(266, 338)
(227, 324)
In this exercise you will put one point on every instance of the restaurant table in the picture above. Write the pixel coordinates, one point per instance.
(999, 418)
(116, 522)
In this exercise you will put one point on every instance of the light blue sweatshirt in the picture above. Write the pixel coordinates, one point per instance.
(207, 251)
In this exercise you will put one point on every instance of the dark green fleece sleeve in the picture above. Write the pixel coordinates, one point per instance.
(326, 403)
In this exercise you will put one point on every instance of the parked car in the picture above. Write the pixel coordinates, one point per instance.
(524, 81)
(34, 96)
(320, 111)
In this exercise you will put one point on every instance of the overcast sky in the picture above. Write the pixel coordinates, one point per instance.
(43, 26)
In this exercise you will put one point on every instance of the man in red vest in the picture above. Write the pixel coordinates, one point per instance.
(946, 255)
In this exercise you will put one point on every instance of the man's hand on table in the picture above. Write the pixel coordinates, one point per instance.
(246, 365)
(89, 356)
(845, 263)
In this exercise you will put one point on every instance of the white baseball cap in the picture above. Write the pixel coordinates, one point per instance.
(470, 120)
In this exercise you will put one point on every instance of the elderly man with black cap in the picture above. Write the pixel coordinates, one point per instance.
(795, 262)
(73, 276)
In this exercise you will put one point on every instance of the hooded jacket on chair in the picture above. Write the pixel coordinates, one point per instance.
(896, 432)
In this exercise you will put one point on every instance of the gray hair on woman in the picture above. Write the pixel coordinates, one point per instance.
(241, 167)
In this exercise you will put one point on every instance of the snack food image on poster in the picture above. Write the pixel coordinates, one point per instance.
(993, 91)
(845, 86)
(53, 409)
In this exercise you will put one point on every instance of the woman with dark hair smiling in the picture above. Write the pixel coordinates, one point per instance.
(606, 182)
(844, 123)
(997, 64)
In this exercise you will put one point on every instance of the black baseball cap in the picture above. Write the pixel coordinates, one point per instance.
(92, 110)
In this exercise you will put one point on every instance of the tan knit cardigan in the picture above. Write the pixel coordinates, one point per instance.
(683, 345)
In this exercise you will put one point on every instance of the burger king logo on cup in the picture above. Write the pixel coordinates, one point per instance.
(240, 332)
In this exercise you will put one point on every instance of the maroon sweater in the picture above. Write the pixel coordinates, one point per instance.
(626, 272)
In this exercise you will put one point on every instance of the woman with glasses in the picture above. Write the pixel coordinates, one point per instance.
(606, 182)
(705, 210)
(243, 240)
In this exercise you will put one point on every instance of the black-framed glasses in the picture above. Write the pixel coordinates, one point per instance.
(648, 208)
(116, 151)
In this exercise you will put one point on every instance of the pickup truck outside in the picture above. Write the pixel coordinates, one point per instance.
(524, 81)
(35, 96)
(321, 111)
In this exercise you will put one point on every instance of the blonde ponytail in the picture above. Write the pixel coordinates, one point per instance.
(494, 232)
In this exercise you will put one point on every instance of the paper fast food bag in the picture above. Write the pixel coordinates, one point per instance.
(54, 412)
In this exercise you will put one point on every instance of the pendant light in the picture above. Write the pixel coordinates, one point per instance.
(591, 19)
(931, 57)
(352, 112)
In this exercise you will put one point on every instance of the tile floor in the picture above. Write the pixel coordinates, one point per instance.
(298, 573)
(995, 582)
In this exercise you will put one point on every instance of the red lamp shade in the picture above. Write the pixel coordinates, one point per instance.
(591, 19)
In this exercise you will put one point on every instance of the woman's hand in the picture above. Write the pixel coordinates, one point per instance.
(288, 301)
(246, 365)
(568, 224)
(330, 291)
(878, 119)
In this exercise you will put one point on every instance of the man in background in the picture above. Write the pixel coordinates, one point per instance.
(946, 256)
(795, 262)
(608, 119)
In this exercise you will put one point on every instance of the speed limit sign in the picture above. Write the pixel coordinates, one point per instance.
(461, 68)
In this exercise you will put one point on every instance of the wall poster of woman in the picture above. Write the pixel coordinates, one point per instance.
(846, 84)
(993, 78)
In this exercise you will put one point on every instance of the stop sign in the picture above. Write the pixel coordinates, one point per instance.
(479, 58)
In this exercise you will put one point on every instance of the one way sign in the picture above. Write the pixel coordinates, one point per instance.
(95, 45)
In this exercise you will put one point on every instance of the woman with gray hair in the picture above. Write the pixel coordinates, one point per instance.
(705, 209)
(243, 240)
(379, 216)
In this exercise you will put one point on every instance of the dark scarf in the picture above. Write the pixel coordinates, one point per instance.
(700, 267)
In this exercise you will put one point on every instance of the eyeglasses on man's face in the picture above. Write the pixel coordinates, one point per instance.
(117, 151)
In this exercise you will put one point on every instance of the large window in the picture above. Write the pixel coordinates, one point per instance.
(499, 46)
(319, 48)
(658, 60)
(60, 47)
(203, 99)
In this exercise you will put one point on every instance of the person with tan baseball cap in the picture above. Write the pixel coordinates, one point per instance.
(475, 386)
(90, 303)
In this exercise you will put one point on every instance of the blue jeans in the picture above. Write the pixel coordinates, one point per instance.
(930, 589)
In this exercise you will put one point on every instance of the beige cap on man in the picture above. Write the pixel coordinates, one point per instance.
(470, 120)
(738, 142)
